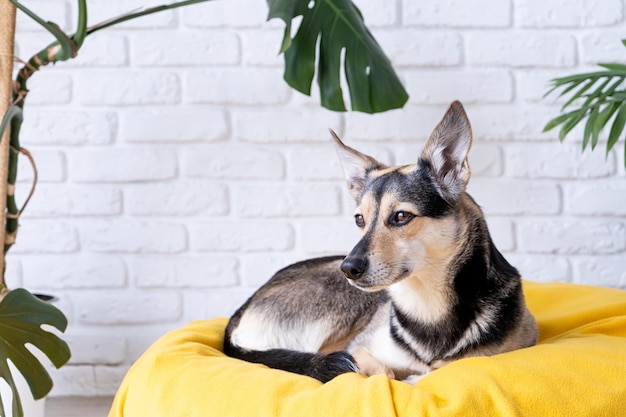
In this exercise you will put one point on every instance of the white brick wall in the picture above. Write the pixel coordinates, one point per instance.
(178, 171)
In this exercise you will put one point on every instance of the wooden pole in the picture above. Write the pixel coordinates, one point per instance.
(7, 48)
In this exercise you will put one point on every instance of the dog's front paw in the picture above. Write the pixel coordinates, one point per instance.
(369, 366)
(413, 379)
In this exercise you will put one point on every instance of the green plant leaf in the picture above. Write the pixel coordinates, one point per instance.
(68, 47)
(599, 105)
(601, 121)
(332, 30)
(613, 67)
(142, 12)
(574, 119)
(559, 120)
(580, 92)
(589, 126)
(81, 26)
(617, 128)
(21, 317)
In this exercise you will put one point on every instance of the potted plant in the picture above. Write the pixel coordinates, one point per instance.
(372, 85)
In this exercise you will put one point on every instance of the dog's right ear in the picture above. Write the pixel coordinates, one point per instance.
(356, 166)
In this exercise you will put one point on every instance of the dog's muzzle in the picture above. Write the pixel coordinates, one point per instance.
(354, 268)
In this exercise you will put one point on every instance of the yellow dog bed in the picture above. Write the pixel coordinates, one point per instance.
(578, 368)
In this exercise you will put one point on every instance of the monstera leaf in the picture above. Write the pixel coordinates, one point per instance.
(21, 317)
(334, 31)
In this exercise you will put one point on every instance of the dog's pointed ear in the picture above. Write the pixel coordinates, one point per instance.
(356, 166)
(446, 151)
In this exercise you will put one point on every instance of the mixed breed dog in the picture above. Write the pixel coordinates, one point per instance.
(424, 286)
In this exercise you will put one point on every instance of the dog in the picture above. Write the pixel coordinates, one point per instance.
(423, 287)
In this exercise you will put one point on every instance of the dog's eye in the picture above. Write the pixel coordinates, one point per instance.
(359, 220)
(401, 218)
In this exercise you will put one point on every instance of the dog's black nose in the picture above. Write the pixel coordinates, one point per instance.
(354, 267)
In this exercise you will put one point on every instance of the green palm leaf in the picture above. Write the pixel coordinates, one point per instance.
(21, 317)
(600, 107)
(334, 31)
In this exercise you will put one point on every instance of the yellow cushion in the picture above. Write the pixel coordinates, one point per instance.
(578, 368)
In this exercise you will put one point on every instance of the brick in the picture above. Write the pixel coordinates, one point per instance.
(531, 86)
(51, 167)
(502, 232)
(78, 380)
(109, 379)
(559, 161)
(443, 87)
(13, 274)
(93, 348)
(232, 14)
(73, 271)
(260, 125)
(131, 236)
(328, 236)
(595, 198)
(173, 124)
(600, 270)
(451, 13)
(233, 162)
(211, 304)
(55, 200)
(131, 88)
(260, 48)
(410, 123)
(301, 200)
(314, 163)
(571, 236)
(189, 49)
(62, 127)
(141, 338)
(562, 13)
(49, 89)
(541, 268)
(46, 236)
(379, 14)
(250, 86)
(516, 197)
(241, 236)
(122, 165)
(601, 46)
(128, 307)
(411, 47)
(105, 50)
(100, 11)
(257, 269)
(176, 199)
(50, 11)
(502, 49)
(511, 123)
(185, 272)
(485, 160)
(376, 151)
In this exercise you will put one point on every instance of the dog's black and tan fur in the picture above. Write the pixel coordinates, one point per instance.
(425, 284)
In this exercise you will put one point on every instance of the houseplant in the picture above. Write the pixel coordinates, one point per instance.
(372, 85)
(597, 97)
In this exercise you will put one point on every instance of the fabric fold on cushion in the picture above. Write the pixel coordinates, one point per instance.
(578, 368)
